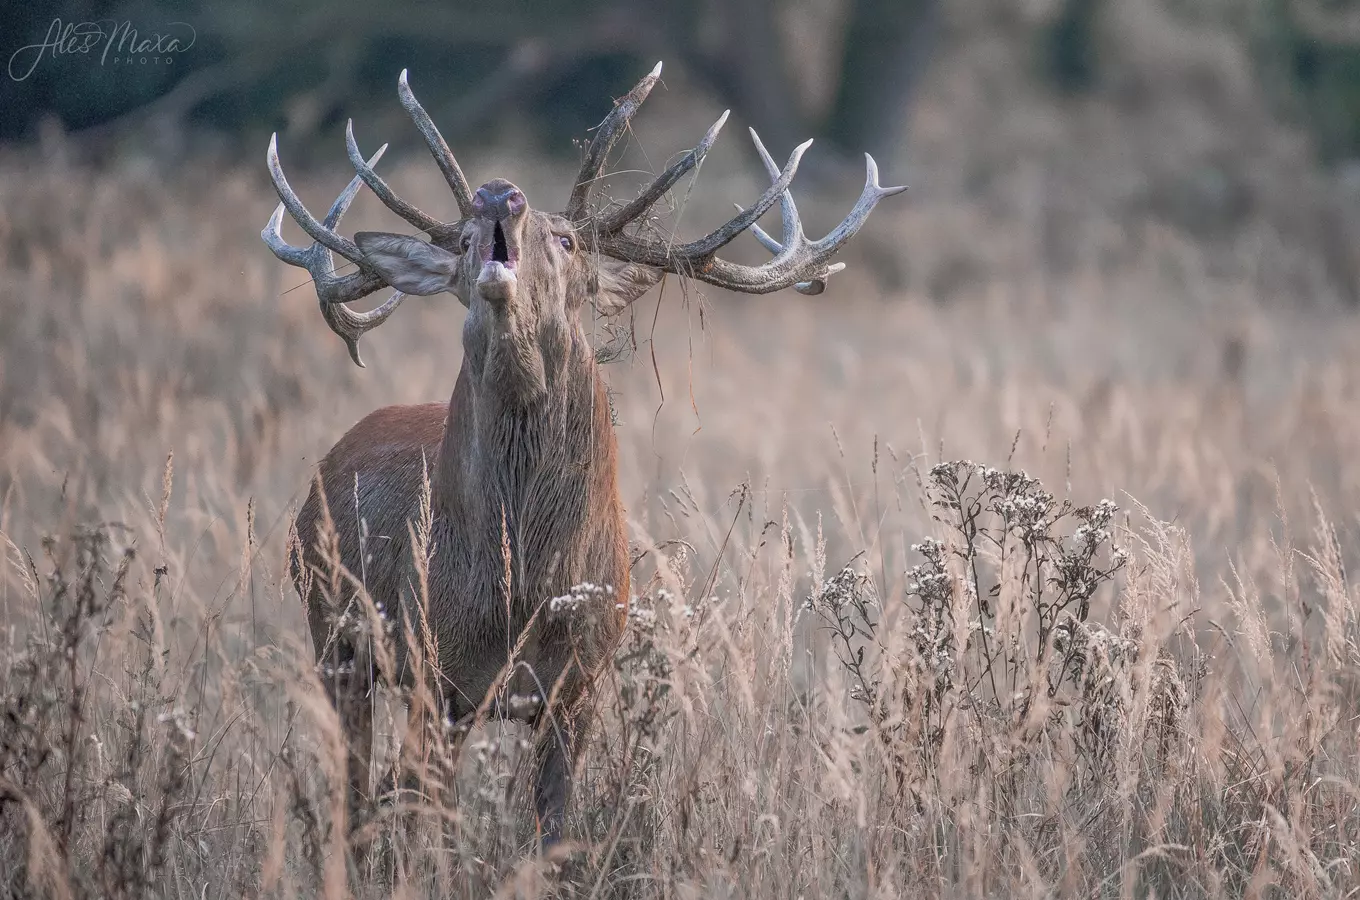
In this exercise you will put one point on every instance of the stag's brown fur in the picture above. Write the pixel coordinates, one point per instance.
(523, 456)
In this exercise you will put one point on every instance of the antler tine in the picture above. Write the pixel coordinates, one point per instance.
(606, 135)
(346, 248)
(691, 258)
(443, 156)
(811, 288)
(868, 199)
(351, 325)
(375, 183)
(792, 226)
(272, 235)
(665, 181)
(332, 292)
(719, 238)
(799, 263)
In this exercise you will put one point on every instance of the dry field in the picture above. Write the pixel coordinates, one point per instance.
(1037, 303)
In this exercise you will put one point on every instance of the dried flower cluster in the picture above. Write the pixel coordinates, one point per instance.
(995, 627)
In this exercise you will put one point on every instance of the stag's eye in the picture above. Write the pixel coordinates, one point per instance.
(464, 243)
(568, 243)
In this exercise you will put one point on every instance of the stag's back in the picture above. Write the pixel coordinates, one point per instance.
(370, 486)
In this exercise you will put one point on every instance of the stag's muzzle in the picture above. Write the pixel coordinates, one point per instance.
(501, 208)
(499, 200)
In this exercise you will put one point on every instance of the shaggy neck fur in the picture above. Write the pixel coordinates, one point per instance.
(528, 455)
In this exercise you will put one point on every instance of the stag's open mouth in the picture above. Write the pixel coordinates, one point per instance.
(500, 248)
(499, 255)
(497, 278)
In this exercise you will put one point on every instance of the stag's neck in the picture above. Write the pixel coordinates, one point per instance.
(529, 429)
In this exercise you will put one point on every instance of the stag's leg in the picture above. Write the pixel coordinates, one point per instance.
(347, 676)
(351, 692)
(561, 735)
(429, 752)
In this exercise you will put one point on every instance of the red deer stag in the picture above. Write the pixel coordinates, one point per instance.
(522, 459)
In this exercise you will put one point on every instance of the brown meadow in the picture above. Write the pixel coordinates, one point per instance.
(1035, 304)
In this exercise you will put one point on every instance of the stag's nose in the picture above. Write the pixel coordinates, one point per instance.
(499, 200)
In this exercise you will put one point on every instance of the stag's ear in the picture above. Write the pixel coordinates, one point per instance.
(409, 264)
(619, 283)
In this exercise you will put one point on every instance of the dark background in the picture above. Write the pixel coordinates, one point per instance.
(301, 67)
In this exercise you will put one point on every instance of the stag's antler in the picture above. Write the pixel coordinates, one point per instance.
(798, 262)
(334, 291)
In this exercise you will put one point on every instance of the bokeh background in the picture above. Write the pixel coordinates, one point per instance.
(1107, 197)
(1129, 262)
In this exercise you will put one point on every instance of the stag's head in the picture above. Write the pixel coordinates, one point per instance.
(514, 264)
(531, 270)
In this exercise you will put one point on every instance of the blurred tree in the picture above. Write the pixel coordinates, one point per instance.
(296, 66)
(300, 67)
(1069, 45)
(1315, 46)
(887, 43)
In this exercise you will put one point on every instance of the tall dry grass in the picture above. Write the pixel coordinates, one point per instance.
(855, 668)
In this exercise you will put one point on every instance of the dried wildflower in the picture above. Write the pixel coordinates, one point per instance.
(524, 705)
(178, 719)
(645, 667)
(583, 596)
(971, 666)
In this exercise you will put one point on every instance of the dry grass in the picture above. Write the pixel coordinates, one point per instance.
(1197, 735)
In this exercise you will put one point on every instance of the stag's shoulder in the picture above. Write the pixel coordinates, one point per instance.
(394, 429)
(379, 467)
(387, 451)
